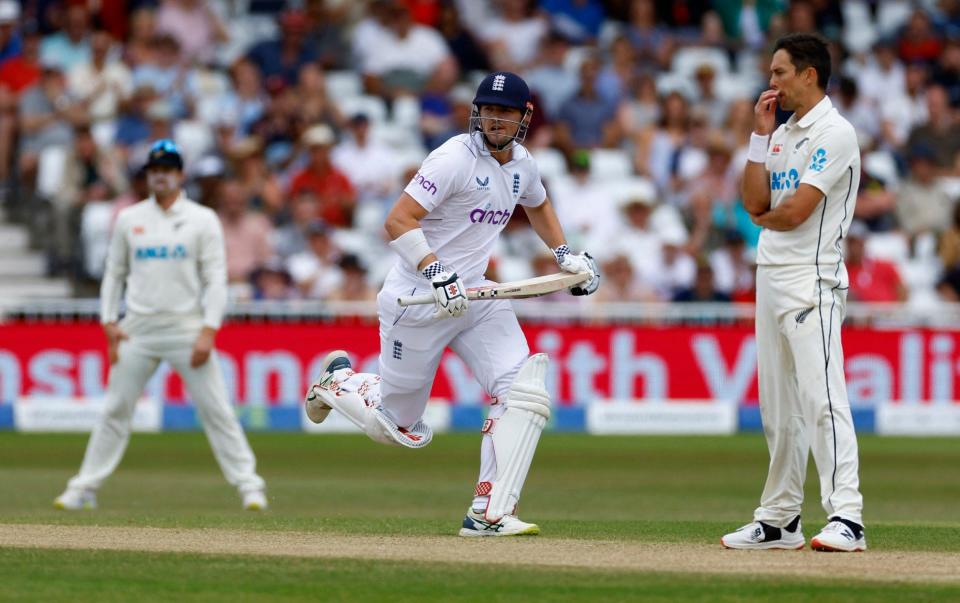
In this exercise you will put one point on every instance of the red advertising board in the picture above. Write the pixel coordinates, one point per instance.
(273, 362)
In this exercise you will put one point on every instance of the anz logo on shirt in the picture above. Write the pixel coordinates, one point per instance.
(160, 252)
(784, 181)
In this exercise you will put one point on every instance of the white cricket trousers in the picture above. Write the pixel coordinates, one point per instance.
(151, 341)
(803, 393)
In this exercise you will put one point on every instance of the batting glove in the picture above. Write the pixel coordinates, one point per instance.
(577, 263)
(448, 291)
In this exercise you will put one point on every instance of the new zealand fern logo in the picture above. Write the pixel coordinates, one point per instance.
(819, 160)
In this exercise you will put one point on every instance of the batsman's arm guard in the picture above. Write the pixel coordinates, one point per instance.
(516, 434)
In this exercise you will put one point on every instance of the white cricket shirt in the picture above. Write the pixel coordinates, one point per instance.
(470, 197)
(820, 150)
(172, 262)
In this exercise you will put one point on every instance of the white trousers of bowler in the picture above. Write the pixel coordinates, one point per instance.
(803, 394)
(151, 341)
(487, 338)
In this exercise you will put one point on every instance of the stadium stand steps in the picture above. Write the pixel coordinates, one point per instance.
(22, 271)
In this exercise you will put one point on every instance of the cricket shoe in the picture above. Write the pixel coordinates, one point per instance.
(758, 535)
(316, 409)
(475, 525)
(254, 500)
(841, 536)
(76, 499)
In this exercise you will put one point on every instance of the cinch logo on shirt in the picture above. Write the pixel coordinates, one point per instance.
(161, 252)
(486, 216)
(427, 185)
(780, 181)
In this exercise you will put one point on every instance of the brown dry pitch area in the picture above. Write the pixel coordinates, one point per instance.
(875, 566)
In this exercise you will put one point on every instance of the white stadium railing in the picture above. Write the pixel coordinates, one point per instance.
(944, 316)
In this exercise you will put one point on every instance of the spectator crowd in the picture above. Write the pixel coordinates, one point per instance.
(301, 121)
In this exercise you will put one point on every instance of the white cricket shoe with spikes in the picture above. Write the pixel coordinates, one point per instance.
(475, 525)
(76, 499)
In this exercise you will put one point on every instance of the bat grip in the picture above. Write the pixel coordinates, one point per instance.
(416, 300)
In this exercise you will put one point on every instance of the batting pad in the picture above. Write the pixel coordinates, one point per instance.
(516, 434)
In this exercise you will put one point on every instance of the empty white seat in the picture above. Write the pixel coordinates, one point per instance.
(551, 163)
(373, 107)
(343, 84)
(610, 164)
(687, 60)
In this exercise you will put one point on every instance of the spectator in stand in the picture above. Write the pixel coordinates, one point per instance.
(71, 46)
(514, 35)
(335, 195)
(919, 41)
(882, 76)
(260, 183)
(133, 128)
(406, 58)
(327, 32)
(11, 45)
(659, 149)
(19, 71)
(583, 204)
(641, 108)
(369, 164)
(246, 99)
(246, 233)
(353, 284)
(618, 76)
(103, 85)
(652, 41)
(311, 101)
(207, 175)
(291, 238)
(315, 271)
(138, 48)
(947, 72)
(733, 268)
(579, 21)
(282, 58)
(876, 203)
(466, 48)
(871, 280)
(703, 289)
(620, 283)
(857, 110)
(47, 118)
(548, 78)
(922, 204)
(89, 174)
(587, 120)
(195, 26)
(950, 242)
(941, 133)
(163, 73)
(707, 101)
(272, 282)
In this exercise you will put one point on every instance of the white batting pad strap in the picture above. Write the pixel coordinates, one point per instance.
(412, 246)
(516, 435)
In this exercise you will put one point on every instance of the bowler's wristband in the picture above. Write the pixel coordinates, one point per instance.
(757, 151)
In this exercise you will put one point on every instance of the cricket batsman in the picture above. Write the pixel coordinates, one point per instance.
(168, 253)
(800, 185)
(443, 228)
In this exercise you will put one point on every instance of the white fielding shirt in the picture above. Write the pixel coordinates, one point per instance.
(470, 197)
(171, 262)
(820, 150)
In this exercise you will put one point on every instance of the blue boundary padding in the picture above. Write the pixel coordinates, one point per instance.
(253, 418)
(568, 418)
(6, 416)
(466, 418)
(864, 419)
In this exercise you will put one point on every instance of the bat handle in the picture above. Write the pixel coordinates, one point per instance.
(415, 300)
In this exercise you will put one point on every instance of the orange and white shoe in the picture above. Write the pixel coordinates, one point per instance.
(840, 536)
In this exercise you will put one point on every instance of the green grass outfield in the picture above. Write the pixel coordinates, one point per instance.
(633, 489)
